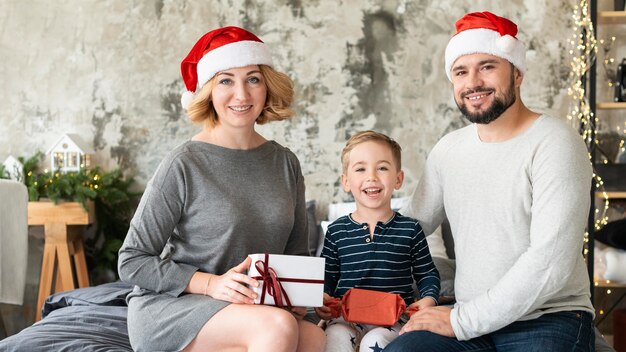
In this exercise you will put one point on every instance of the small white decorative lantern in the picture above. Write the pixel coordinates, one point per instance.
(14, 169)
(69, 153)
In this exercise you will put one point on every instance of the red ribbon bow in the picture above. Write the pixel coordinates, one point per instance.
(335, 307)
(271, 283)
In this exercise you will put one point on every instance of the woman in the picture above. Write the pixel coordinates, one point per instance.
(226, 193)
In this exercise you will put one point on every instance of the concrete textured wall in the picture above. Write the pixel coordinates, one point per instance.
(109, 70)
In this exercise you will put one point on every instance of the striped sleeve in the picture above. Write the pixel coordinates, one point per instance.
(425, 273)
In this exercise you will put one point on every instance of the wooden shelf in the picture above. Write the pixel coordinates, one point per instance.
(72, 213)
(605, 293)
(611, 106)
(63, 253)
(612, 17)
(612, 195)
(604, 284)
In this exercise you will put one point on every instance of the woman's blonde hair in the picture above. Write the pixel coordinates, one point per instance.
(277, 103)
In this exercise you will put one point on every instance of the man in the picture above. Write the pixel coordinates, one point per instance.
(515, 188)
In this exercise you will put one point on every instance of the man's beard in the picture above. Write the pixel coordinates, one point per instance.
(499, 105)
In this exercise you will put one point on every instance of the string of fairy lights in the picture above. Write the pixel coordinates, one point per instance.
(611, 81)
(583, 53)
(584, 50)
(89, 178)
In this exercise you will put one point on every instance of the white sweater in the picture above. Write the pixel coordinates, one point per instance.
(517, 211)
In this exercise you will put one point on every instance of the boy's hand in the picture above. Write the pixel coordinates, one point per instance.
(412, 309)
(325, 312)
(420, 305)
(298, 312)
(425, 302)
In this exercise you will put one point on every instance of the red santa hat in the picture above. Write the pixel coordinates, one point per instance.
(486, 33)
(219, 50)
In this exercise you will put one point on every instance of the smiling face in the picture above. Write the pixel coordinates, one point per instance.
(485, 86)
(372, 175)
(239, 96)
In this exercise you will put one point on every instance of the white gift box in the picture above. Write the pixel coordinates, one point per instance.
(301, 278)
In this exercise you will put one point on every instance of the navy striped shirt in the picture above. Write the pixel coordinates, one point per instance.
(397, 255)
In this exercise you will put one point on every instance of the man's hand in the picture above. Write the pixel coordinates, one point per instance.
(433, 319)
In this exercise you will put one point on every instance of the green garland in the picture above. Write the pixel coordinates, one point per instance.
(114, 202)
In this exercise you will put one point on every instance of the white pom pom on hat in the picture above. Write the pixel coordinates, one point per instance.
(186, 98)
(506, 43)
(219, 50)
(485, 33)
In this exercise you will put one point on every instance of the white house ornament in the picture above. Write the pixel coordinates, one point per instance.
(70, 153)
(14, 169)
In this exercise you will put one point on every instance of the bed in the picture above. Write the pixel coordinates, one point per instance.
(93, 319)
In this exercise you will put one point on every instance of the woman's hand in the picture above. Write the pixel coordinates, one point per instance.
(232, 286)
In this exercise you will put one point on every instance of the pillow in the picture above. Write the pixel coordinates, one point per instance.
(613, 234)
(320, 244)
(609, 263)
(447, 269)
(109, 294)
(337, 210)
(314, 230)
(436, 244)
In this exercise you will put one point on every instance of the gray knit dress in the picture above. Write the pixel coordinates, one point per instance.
(206, 208)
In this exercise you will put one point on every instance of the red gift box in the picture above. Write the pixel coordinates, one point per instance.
(372, 307)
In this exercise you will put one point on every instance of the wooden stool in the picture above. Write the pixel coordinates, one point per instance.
(63, 225)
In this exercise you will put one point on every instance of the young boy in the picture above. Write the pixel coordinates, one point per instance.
(375, 247)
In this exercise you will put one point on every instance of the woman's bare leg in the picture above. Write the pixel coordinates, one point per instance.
(242, 327)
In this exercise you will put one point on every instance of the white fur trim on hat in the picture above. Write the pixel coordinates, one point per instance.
(485, 41)
(237, 54)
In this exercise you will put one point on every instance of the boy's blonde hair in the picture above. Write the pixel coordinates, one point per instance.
(371, 136)
(277, 104)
